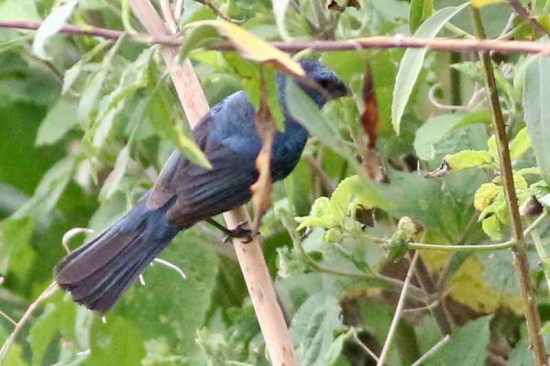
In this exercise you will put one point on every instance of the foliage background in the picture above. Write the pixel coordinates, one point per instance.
(85, 130)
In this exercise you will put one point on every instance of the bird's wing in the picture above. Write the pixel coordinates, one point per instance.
(201, 192)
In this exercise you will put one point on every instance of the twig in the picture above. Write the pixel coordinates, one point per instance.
(363, 346)
(432, 350)
(398, 309)
(439, 311)
(8, 318)
(217, 11)
(168, 15)
(522, 12)
(520, 250)
(250, 255)
(397, 41)
(30, 310)
(321, 174)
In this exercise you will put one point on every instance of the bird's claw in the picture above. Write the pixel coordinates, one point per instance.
(241, 232)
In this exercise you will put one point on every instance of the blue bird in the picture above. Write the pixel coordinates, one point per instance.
(99, 272)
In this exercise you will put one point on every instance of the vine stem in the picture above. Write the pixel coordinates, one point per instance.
(532, 316)
(396, 41)
(250, 256)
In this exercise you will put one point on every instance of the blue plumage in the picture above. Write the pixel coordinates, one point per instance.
(99, 272)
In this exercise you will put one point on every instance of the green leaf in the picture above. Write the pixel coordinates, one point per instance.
(436, 129)
(162, 117)
(313, 327)
(18, 10)
(51, 26)
(467, 346)
(279, 10)
(469, 159)
(433, 131)
(308, 114)
(537, 110)
(197, 37)
(169, 306)
(411, 63)
(492, 227)
(58, 318)
(485, 194)
(115, 177)
(420, 11)
(499, 272)
(116, 342)
(59, 120)
(16, 254)
(520, 144)
(49, 190)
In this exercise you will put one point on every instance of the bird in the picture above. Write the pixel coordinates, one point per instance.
(99, 272)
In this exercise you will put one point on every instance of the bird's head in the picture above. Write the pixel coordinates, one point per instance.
(331, 86)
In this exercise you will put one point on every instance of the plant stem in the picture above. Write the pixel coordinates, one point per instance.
(260, 286)
(439, 311)
(398, 309)
(464, 248)
(382, 42)
(520, 250)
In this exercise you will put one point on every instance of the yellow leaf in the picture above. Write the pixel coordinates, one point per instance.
(485, 194)
(252, 47)
(481, 3)
(468, 287)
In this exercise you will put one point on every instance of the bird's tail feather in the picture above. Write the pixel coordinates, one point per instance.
(99, 272)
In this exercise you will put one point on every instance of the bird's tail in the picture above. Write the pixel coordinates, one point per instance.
(99, 272)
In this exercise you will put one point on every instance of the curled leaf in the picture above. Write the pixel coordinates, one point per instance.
(252, 47)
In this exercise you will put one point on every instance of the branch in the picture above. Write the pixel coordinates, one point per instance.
(532, 316)
(397, 41)
(398, 309)
(250, 255)
(523, 13)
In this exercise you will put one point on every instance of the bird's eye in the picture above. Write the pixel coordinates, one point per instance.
(324, 83)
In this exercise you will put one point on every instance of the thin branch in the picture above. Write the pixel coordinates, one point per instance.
(217, 11)
(258, 280)
(532, 316)
(30, 310)
(363, 346)
(432, 350)
(439, 311)
(168, 16)
(523, 13)
(398, 309)
(397, 41)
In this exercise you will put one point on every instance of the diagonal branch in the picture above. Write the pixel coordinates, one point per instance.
(250, 255)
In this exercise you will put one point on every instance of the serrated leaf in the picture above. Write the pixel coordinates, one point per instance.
(51, 26)
(313, 327)
(520, 144)
(492, 227)
(485, 195)
(411, 63)
(469, 159)
(252, 47)
(537, 110)
(467, 346)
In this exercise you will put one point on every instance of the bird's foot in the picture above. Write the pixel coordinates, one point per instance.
(240, 232)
